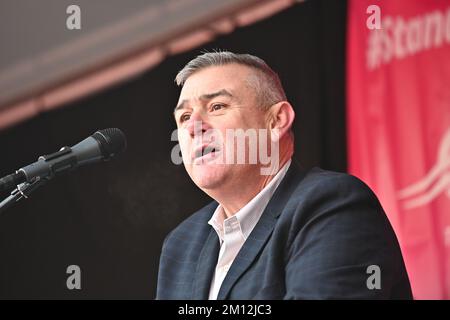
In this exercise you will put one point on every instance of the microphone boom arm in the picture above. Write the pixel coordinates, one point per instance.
(22, 191)
(100, 146)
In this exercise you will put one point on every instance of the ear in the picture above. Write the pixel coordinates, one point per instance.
(281, 117)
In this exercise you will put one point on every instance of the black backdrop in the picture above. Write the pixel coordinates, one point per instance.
(110, 219)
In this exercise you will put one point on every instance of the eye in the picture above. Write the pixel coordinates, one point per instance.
(185, 117)
(217, 106)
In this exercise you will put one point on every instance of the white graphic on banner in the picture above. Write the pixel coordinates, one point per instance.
(447, 236)
(436, 182)
(400, 37)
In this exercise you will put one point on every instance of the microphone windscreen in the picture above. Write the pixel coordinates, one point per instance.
(112, 141)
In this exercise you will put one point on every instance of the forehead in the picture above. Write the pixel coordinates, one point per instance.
(211, 79)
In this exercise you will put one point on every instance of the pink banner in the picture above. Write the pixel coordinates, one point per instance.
(399, 126)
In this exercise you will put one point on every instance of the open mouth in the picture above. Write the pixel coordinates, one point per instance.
(206, 152)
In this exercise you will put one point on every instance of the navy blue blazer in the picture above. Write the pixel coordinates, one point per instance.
(316, 239)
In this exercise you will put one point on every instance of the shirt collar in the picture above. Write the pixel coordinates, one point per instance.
(248, 215)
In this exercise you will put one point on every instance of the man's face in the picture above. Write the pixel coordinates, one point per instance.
(211, 101)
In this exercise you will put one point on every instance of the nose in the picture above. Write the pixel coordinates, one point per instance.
(197, 125)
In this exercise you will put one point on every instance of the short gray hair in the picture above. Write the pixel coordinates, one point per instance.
(264, 81)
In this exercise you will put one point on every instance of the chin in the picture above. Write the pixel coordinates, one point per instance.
(208, 176)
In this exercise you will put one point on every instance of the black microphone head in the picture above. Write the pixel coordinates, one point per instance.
(112, 141)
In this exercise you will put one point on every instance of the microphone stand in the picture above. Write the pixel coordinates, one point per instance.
(22, 191)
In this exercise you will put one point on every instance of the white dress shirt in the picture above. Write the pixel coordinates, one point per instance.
(236, 229)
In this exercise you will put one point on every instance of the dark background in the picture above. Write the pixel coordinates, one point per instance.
(110, 219)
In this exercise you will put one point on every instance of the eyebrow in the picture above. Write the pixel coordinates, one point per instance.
(206, 97)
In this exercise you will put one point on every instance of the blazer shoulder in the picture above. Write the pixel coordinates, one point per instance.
(335, 228)
(318, 183)
(198, 222)
(322, 191)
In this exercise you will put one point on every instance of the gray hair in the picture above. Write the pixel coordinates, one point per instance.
(264, 81)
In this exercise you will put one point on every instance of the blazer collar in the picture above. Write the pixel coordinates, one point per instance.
(263, 229)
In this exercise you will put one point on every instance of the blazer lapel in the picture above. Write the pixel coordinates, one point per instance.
(263, 229)
(205, 267)
(254, 243)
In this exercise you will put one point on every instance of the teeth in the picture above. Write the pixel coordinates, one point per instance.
(208, 150)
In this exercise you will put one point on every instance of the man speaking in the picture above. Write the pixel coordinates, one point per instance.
(275, 230)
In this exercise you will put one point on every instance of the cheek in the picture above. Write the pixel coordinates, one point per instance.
(246, 119)
(185, 144)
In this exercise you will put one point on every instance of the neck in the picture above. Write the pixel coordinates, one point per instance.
(235, 197)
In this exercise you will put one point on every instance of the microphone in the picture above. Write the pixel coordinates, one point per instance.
(101, 146)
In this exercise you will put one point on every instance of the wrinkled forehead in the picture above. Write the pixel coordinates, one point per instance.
(232, 78)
